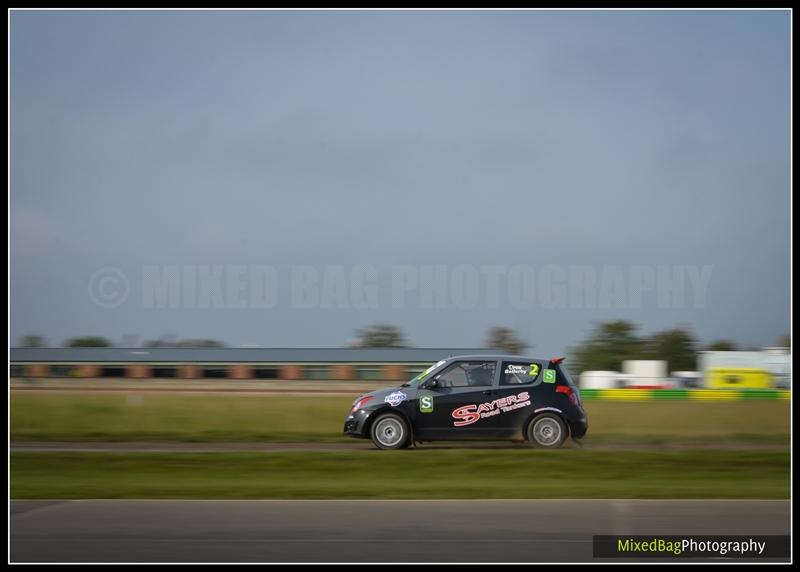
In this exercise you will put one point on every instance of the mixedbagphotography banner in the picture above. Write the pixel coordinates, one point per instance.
(690, 546)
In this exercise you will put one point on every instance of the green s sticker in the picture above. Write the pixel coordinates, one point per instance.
(549, 376)
(534, 371)
(426, 404)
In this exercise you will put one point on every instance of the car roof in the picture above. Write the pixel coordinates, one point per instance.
(505, 357)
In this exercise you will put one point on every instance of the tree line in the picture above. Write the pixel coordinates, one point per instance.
(606, 347)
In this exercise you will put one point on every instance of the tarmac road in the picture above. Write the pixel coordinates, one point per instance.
(363, 531)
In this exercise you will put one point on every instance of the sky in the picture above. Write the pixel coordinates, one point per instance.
(308, 146)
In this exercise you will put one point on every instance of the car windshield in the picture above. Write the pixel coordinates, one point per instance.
(416, 379)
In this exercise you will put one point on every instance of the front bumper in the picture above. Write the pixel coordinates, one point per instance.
(355, 424)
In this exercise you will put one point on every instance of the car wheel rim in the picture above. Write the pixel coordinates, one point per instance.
(389, 432)
(547, 431)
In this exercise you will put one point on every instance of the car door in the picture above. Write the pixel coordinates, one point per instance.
(449, 402)
(520, 384)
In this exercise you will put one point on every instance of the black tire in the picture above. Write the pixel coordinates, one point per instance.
(390, 431)
(547, 431)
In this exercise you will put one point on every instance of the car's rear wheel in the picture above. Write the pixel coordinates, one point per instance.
(390, 431)
(547, 431)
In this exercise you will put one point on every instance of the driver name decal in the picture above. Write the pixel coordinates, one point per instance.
(469, 414)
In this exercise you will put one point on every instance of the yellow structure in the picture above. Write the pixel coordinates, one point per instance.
(738, 378)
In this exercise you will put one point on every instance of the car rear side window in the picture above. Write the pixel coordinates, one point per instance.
(521, 373)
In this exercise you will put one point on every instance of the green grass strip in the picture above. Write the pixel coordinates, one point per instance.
(414, 473)
(315, 418)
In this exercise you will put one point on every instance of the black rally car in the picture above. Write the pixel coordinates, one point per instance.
(474, 397)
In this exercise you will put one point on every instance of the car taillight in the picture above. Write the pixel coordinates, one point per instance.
(568, 390)
(361, 403)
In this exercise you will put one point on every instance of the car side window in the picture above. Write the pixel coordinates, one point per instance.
(467, 374)
(521, 373)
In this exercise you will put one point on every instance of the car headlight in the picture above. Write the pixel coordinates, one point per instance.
(361, 402)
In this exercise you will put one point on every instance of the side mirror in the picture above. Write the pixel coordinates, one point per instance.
(431, 384)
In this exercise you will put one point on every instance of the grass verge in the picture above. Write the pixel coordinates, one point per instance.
(403, 474)
(115, 416)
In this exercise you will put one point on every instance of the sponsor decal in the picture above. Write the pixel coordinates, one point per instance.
(469, 414)
(426, 404)
(549, 376)
(396, 398)
(531, 370)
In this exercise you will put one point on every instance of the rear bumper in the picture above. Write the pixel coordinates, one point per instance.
(578, 428)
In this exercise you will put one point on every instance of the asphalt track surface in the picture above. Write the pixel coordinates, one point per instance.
(363, 531)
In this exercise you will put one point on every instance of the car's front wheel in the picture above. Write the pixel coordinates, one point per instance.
(390, 431)
(547, 431)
